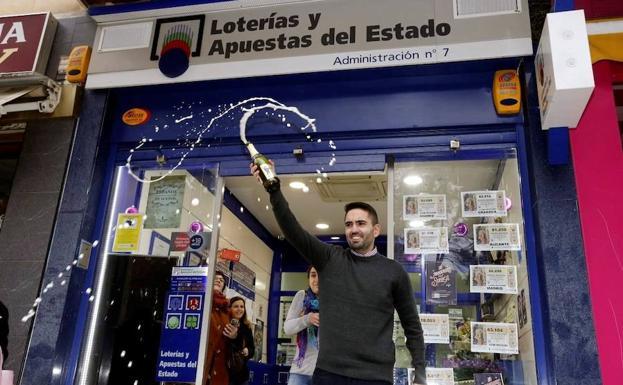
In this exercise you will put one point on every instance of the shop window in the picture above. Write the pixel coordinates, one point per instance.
(459, 224)
(163, 228)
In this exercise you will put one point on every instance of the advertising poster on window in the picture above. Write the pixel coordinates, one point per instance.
(440, 284)
(436, 328)
(522, 311)
(159, 245)
(243, 280)
(439, 376)
(426, 240)
(498, 236)
(488, 379)
(164, 203)
(493, 279)
(258, 340)
(179, 348)
(284, 307)
(424, 206)
(456, 319)
(128, 233)
(483, 204)
(494, 337)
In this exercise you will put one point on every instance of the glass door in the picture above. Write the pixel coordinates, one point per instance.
(458, 230)
(152, 286)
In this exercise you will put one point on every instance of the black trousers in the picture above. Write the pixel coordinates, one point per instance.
(322, 377)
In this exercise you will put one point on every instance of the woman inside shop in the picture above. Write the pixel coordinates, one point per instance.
(244, 347)
(221, 336)
(303, 320)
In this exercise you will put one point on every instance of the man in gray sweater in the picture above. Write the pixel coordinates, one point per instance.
(360, 290)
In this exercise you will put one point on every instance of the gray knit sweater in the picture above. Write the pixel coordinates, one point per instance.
(358, 297)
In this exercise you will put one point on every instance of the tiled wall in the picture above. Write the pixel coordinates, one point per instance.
(29, 221)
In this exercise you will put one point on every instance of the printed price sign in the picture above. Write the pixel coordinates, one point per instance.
(499, 236)
(436, 328)
(483, 204)
(426, 240)
(494, 337)
(493, 279)
(424, 206)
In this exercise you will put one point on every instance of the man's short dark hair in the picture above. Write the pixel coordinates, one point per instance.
(365, 207)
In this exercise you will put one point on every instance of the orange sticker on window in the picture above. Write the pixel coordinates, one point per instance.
(135, 116)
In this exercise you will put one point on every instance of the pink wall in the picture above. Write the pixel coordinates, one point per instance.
(598, 164)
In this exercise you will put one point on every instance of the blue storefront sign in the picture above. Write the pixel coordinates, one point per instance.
(181, 331)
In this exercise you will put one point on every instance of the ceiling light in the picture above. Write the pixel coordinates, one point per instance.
(195, 202)
(259, 285)
(416, 223)
(322, 226)
(297, 185)
(335, 238)
(412, 180)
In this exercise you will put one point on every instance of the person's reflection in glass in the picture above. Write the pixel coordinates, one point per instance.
(220, 338)
(303, 319)
(244, 344)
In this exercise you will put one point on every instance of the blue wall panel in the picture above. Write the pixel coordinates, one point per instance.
(569, 334)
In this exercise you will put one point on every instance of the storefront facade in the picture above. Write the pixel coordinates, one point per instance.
(38, 140)
(436, 119)
(596, 143)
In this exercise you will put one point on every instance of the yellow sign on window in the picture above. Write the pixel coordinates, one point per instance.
(128, 233)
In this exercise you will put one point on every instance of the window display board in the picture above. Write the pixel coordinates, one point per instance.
(181, 329)
(462, 220)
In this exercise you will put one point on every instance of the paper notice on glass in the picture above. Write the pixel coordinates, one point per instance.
(493, 279)
(164, 202)
(483, 203)
(424, 206)
(494, 337)
(128, 233)
(498, 236)
(436, 328)
(426, 240)
(439, 376)
(488, 379)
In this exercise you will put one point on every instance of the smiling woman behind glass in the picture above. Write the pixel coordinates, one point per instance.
(303, 320)
(222, 333)
(243, 345)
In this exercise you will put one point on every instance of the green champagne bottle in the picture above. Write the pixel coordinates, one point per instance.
(267, 175)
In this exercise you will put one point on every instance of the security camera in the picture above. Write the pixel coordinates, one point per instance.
(455, 145)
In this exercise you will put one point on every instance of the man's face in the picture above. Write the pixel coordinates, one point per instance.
(359, 230)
